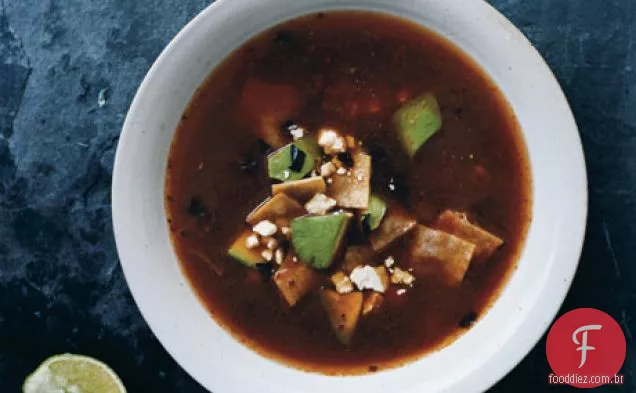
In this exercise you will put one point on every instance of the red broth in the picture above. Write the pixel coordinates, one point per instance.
(349, 71)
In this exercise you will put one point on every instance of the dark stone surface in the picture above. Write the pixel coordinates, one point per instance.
(61, 287)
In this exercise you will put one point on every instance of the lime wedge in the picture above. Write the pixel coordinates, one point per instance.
(73, 374)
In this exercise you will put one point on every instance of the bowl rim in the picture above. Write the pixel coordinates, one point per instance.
(551, 306)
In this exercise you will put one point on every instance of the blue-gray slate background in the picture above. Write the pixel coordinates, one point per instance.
(68, 71)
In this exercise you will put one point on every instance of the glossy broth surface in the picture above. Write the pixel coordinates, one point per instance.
(350, 71)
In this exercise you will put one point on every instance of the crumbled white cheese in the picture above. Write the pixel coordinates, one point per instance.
(360, 177)
(268, 255)
(272, 243)
(389, 261)
(279, 256)
(286, 174)
(327, 169)
(400, 276)
(342, 283)
(341, 171)
(320, 204)
(297, 132)
(265, 228)
(391, 184)
(366, 277)
(286, 231)
(329, 181)
(401, 291)
(252, 241)
(331, 142)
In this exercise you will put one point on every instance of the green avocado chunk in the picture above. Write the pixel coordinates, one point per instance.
(417, 121)
(239, 251)
(371, 218)
(287, 164)
(317, 239)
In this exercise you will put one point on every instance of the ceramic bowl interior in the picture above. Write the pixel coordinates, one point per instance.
(475, 361)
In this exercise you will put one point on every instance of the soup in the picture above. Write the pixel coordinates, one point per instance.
(348, 191)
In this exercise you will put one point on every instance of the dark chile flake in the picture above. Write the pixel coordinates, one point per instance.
(468, 320)
(288, 125)
(264, 147)
(378, 155)
(297, 159)
(399, 188)
(248, 164)
(283, 38)
(196, 208)
(346, 159)
(266, 270)
(366, 224)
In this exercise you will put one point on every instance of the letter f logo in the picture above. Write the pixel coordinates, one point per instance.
(583, 344)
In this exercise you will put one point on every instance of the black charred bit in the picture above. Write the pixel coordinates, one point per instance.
(366, 223)
(288, 125)
(346, 159)
(266, 270)
(283, 38)
(399, 188)
(297, 159)
(248, 164)
(196, 208)
(264, 147)
(378, 154)
(468, 320)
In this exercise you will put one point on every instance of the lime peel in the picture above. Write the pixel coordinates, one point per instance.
(70, 373)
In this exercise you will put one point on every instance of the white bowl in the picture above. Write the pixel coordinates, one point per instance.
(475, 361)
